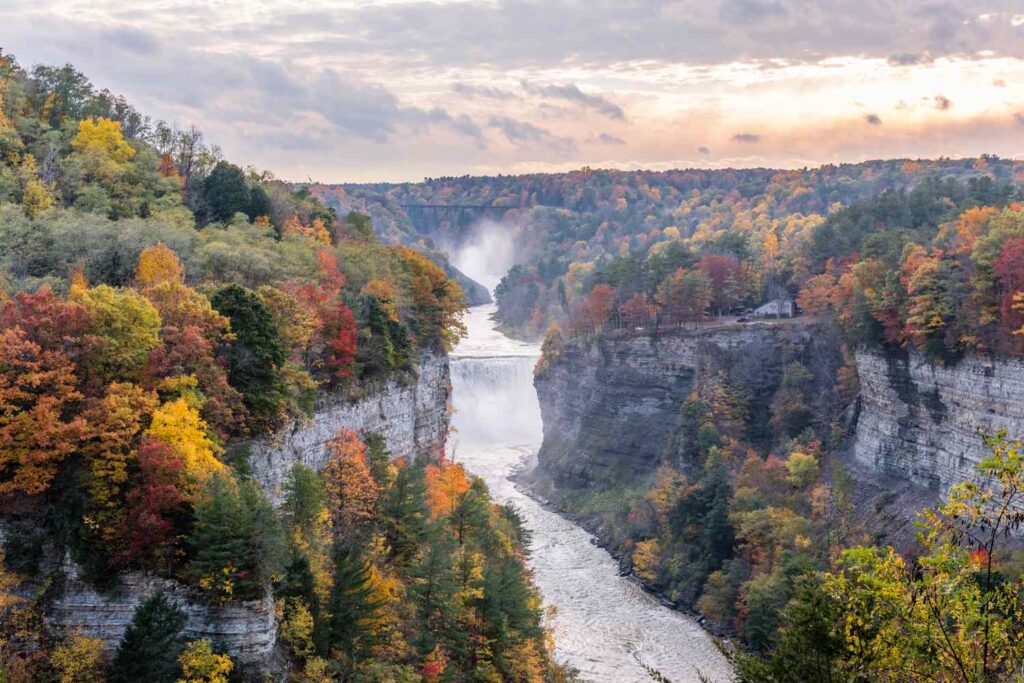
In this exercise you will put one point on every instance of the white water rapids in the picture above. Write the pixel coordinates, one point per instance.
(605, 625)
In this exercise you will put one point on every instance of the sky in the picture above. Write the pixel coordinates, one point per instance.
(399, 90)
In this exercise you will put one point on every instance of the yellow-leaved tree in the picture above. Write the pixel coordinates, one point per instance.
(158, 264)
(101, 148)
(179, 425)
(200, 664)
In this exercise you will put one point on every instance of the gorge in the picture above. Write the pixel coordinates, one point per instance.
(605, 625)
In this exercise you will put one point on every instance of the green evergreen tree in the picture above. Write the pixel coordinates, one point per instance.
(378, 457)
(236, 540)
(226, 192)
(151, 644)
(376, 352)
(304, 496)
(255, 357)
(404, 507)
(808, 647)
(353, 610)
(435, 584)
(259, 203)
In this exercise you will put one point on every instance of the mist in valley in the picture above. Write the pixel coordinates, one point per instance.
(487, 253)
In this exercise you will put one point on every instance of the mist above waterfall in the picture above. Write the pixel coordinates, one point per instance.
(487, 253)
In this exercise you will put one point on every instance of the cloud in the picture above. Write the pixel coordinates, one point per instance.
(526, 134)
(906, 59)
(703, 150)
(751, 11)
(999, 83)
(483, 91)
(942, 103)
(607, 139)
(525, 34)
(571, 93)
(1019, 118)
(746, 138)
(873, 119)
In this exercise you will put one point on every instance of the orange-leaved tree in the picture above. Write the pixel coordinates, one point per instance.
(352, 492)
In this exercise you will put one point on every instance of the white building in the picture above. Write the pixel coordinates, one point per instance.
(776, 308)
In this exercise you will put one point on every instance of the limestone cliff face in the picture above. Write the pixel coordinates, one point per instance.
(248, 630)
(412, 417)
(611, 406)
(921, 421)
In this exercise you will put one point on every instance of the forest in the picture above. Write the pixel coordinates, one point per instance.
(159, 307)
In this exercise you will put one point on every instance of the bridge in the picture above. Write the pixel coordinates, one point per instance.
(452, 210)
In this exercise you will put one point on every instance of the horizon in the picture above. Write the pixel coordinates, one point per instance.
(360, 92)
(680, 169)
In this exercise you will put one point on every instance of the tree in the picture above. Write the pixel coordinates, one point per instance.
(256, 355)
(404, 509)
(125, 327)
(354, 610)
(259, 203)
(437, 302)
(446, 484)
(684, 296)
(200, 664)
(951, 614)
(79, 659)
(115, 423)
(151, 645)
(158, 264)
(339, 327)
(37, 391)
(593, 311)
(178, 425)
(226, 192)
(790, 413)
(637, 311)
(935, 293)
(1009, 271)
(808, 649)
(352, 492)
(727, 276)
(158, 514)
(236, 541)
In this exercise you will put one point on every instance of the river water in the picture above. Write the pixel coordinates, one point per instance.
(605, 625)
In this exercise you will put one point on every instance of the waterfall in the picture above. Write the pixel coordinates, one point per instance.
(495, 402)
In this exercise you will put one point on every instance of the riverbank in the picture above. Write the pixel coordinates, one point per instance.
(528, 480)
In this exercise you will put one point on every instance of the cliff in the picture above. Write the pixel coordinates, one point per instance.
(611, 405)
(411, 416)
(247, 630)
(921, 421)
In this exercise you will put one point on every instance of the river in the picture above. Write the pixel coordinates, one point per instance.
(605, 625)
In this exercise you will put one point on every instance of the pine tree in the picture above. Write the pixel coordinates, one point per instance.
(151, 645)
(435, 584)
(404, 508)
(353, 609)
(236, 540)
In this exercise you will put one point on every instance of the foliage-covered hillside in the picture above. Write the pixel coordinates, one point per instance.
(569, 228)
(159, 305)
